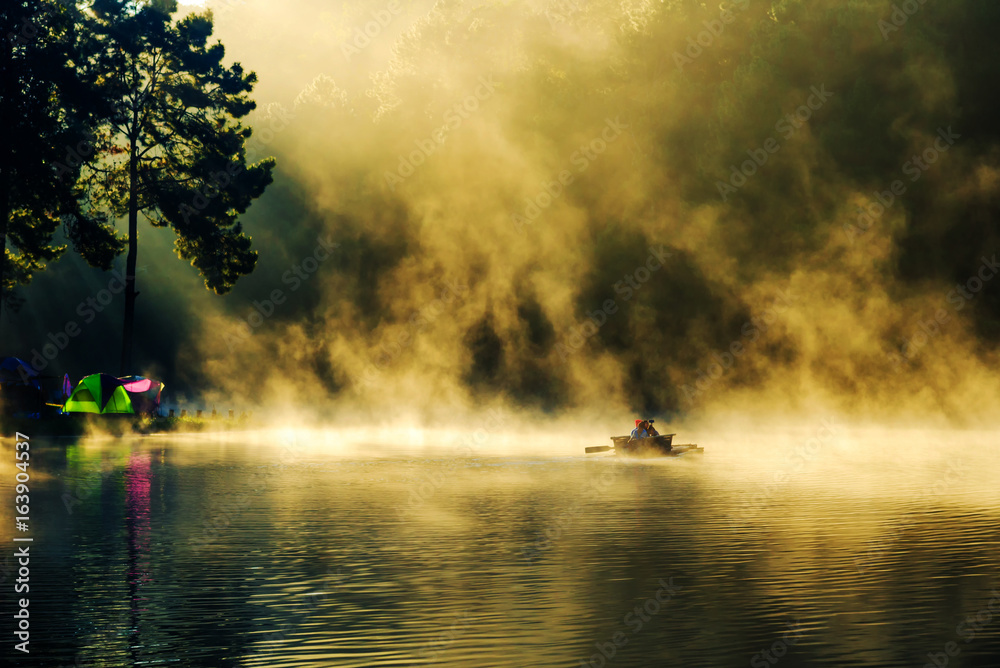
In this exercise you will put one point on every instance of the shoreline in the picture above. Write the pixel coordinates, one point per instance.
(83, 425)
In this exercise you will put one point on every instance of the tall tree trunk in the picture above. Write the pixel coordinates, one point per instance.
(130, 293)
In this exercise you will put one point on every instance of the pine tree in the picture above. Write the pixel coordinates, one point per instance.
(172, 147)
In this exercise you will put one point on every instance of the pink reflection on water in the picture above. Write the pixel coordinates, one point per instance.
(138, 476)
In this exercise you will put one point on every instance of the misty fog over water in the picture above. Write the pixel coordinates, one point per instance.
(305, 552)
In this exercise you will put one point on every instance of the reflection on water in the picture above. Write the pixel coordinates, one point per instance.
(217, 553)
(137, 479)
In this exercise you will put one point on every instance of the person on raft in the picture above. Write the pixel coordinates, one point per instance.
(650, 429)
(640, 430)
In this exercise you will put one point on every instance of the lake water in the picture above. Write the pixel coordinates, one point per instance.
(842, 547)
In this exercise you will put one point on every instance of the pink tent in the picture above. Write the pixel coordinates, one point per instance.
(143, 392)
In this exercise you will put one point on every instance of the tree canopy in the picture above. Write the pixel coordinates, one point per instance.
(170, 141)
(46, 120)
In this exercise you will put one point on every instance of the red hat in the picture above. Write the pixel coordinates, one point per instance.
(638, 422)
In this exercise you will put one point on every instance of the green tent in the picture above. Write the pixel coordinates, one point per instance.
(99, 393)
